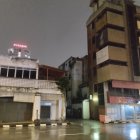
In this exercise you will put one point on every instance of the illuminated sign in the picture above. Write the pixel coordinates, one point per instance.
(19, 45)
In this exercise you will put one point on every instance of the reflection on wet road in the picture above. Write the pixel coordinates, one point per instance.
(78, 130)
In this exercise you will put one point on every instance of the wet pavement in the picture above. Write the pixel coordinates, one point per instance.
(78, 130)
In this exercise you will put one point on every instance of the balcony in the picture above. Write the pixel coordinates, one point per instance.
(109, 18)
(110, 72)
(110, 36)
(26, 83)
(112, 53)
(106, 5)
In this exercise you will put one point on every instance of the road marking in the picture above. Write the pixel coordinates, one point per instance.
(64, 124)
(6, 126)
(31, 125)
(43, 125)
(19, 126)
(71, 134)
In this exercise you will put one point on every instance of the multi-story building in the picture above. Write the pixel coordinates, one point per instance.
(76, 69)
(114, 63)
(25, 95)
(73, 66)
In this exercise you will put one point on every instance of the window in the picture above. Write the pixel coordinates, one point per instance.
(4, 71)
(112, 62)
(33, 75)
(26, 74)
(11, 72)
(100, 89)
(19, 73)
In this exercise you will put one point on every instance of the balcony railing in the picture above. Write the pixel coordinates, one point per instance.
(26, 83)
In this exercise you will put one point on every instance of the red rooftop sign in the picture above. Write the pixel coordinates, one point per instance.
(19, 45)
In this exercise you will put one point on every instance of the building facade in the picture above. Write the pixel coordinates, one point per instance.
(113, 58)
(73, 68)
(25, 95)
(76, 70)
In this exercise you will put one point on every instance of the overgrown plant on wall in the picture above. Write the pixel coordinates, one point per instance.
(63, 85)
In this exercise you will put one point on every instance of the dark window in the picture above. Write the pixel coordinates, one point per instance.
(4, 72)
(11, 73)
(93, 25)
(100, 89)
(113, 62)
(26, 74)
(33, 75)
(19, 73)
(94, 72)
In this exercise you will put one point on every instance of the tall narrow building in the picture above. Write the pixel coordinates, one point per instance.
(113, 32)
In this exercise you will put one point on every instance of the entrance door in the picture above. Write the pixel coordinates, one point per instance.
(45, 112)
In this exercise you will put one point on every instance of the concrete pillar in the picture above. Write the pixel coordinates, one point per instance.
(36, 107)
(53, 110)
(63, 107)
(60, 109)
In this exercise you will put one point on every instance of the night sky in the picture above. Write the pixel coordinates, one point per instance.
(54, 30)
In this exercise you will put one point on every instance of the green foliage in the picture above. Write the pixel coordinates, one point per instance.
(63, 84)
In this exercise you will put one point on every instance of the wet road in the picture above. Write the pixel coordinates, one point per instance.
(78, 130)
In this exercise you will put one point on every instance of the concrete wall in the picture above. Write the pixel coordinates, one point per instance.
(76, 77)
(115, 19)
(112, 72)
(116, 36)
(119, 54)
(24, 63)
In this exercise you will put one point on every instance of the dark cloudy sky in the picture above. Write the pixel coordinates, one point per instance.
(54, 30)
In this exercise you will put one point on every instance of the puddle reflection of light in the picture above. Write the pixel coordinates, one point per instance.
(133, 134)
(95, 136)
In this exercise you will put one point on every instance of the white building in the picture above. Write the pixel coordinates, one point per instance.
(25, 98)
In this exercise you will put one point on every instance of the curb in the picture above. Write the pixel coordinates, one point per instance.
(117, 122)
(32, 125)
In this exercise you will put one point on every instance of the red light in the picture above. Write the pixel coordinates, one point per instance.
(20, 45)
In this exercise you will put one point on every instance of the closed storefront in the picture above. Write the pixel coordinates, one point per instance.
(14, 111)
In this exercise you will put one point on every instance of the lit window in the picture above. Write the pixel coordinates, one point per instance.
(138, 24)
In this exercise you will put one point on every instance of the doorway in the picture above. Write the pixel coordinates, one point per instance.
(45, 112)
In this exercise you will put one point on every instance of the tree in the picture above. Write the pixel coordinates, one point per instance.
(63, 85)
